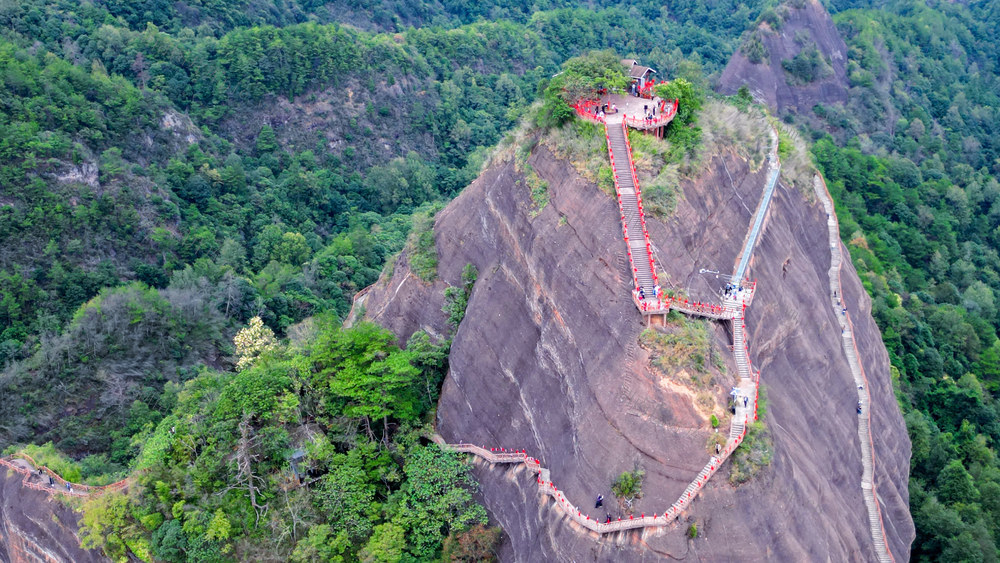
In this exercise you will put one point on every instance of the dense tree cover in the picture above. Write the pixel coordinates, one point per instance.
(915, 182)
(105, 182)
(214, 480)
(124, 158)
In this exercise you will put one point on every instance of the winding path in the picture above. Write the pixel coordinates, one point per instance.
(650, 299)
(860, 379)
(32, 474)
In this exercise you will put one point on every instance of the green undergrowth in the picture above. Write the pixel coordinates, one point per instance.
(656, 166)
(684, 344)
(726, 127)
(797, 168)
(539, 190)
(756, 450)
(423, 251)
(582, 144)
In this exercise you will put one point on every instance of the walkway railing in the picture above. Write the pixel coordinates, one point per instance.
(621, 209)
(60, 485)
(665, 117)
(868, 485)
(642, 213)
(601, 525)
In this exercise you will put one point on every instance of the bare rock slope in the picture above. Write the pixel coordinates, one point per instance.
(35, 528)
(547, 360)
(802, 26)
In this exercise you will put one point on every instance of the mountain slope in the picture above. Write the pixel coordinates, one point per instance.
(547, 360)
(794, 59)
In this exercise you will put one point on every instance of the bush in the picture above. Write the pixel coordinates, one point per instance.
(693, 531)
(715, 421)
(807, 66)
(423, 251)
(753, 48)
(627, 488)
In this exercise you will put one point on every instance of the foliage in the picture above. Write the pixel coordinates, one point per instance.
(436, 498)
(753, 47)
(214, 479)
(423, 251)
(686, 344)
(456, 299)
(757, 449)
(252, 341)
(581, 78)
(47, 455)
(657, 171)
(473, 545)
(105, 525)
(683, 130)
(692, 531)
(627, 488)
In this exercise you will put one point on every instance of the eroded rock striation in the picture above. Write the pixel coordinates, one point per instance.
(547, 359)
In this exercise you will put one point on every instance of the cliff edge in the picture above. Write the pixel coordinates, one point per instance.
(36, 528)
(548, 360)
(794, 60)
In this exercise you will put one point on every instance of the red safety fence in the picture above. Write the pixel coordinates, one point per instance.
(589, 110)
(642, 214)
(64, 486)
(666, 115)
(864, 376)
(599, 525)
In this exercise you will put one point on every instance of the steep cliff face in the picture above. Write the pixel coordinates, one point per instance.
(800, 28)
(547, 359)
(34, 528)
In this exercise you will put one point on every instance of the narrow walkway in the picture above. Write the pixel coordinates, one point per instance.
(646, 289)
(860, 379)
(651, 300)
(41, 478)
(775, 168)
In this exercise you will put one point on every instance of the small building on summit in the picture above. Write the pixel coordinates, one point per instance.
(638, 74)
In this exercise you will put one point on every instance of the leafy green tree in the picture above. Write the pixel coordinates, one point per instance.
(348, 500)
(106, 525)
(690, 97)
(266, 140)
(361, 373)
(963, 548)
(435, 499)
(321, 545)
(169, 542)
(956, 485)
(386, 545)
(627, 488)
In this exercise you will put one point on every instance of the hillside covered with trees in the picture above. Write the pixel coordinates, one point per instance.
(172, 171)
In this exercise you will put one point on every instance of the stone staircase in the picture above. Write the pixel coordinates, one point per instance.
(632, 215)
(868, 488)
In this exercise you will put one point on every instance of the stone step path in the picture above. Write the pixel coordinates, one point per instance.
(633, 217)
(868, 489)
(642, 264)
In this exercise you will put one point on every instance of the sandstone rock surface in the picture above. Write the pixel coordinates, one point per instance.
(547, 360)
(769, 82)
(35, 528)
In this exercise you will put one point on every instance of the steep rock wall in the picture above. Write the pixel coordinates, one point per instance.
(769, 82)
(547, 360)
(35, 528)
